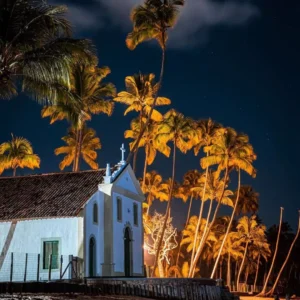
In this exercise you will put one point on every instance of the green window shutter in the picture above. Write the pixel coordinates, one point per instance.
(51, 247)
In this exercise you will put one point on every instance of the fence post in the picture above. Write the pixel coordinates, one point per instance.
(61, 264)
(11, 267)
(38, 268)
(25, 272)
(71, 270)
(50, 263)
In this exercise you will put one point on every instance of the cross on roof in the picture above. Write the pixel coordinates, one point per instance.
(123, 150)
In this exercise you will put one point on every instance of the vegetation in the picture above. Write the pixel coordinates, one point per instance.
(41, 55)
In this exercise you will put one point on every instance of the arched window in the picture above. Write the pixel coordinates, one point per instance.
(95, 213)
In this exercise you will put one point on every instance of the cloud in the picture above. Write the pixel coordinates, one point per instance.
(197, 17)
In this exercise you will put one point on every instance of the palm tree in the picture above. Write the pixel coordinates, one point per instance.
(153, 188)
(263, 292)
(90, 143)
(152, 20)
(248, 200)
(249, 232)
(139, 96)
(18, 153)
(228, 150)
(287, 258)
(147, 141)
(244, 155)
(206, 130)
(190, 180)
(177, 129)
(36, 48)
(91, 97)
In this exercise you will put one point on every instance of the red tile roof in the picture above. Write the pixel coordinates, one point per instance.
(47, 196)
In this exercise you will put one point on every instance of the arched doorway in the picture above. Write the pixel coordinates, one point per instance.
(92, 257)
(127, 252)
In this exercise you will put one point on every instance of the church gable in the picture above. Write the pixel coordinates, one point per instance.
(127, 181)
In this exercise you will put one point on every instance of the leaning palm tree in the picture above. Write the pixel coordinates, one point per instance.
(36, 49)
(91, 97)
(263, 292)
(152, 20)
(243, 154)
(18, 153)
(228, 150)
(287, 258)
(90, 143)
(177, 129)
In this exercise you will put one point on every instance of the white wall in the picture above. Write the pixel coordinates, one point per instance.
(94, 230)
(28, 238)
(118, 237)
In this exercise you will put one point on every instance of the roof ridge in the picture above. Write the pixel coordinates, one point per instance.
(53, 173)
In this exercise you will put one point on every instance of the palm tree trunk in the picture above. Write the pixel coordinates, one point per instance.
(256, 275)
(76, 150)
(186, 223)
(79, 151)
(229, 225)
(162, 69)
(148, 201)
(145, 166)
(263, 292)
(199, 222)
(221, 267)
(167, 210)
(246, 277)
(205, 234)
(287, 258)
(160, 269)
(241, 267)
(134, 159)
(229, 271)
(14, 171)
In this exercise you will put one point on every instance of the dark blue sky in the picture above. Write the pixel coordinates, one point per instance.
(244, 75)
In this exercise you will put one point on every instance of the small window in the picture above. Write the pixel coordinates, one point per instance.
(50, 248)
(135, 214)
(119, 209)
(95, 213)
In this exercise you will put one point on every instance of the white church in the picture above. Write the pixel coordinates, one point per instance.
(92, 215)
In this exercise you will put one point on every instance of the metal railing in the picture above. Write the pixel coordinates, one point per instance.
(24, 267)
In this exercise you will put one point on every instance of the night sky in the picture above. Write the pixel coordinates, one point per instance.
(234, 61)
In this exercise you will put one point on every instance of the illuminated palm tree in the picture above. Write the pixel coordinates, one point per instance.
(263, 292)
(152, 20)
(287, 258)
(242, 155)
(147, 141)
(248, 200)
(90, 143)
(177, 129)
(18, 153)
(88, 96)
(190, 181)
(228, 150)
(249, 232)
(153, 188)
(36, 49)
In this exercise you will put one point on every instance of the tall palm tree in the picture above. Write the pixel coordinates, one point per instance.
(36, 48)
(287, 257)
(147, 141)
(153, 188)
(18, 153)
(177, 129)
(263, 292)
(152, 20)
(206, 130)
(249, 232)
(190, 181)
(91, 97)
(244, 154)
(248, 200)
(228, 150)
(139, 97)
(90, 143)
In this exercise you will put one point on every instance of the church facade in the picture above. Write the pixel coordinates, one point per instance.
(93, 215)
